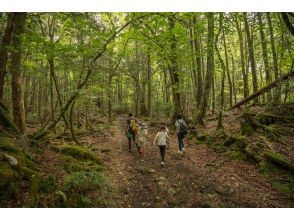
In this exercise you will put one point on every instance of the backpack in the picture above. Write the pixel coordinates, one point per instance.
(183, 128)
(134, 126)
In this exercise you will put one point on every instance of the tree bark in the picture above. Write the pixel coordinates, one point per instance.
(228, 69)
(241, 45)
(251, 55)
(198, 65)
(277, 93)
(223, 66)
(4, 51)
(264, 54)
(287, 22)
(15, 70)
(233, 80)
(173, 66)
(194, 72)
(210, 67)
(149, 79)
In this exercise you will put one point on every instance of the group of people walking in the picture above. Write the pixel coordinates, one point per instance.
(138, 134)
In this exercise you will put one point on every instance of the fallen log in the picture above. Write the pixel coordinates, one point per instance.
(264, 89)
(279, 160)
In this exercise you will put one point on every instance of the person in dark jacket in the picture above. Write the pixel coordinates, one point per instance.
(181, 129)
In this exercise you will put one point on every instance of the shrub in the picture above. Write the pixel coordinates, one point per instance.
(78, 152)
(85, 181)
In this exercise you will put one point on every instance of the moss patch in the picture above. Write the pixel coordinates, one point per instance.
(78, 152)
(7, 144)
(279, 160)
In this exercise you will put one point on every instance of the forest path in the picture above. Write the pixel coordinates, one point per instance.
(198, 178)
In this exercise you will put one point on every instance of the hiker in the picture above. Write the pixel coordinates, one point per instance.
(181, 129)
(162, 140)
(142, 137)
(131, 131)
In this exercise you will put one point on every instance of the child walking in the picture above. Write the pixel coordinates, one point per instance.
(162, 141)
(142, 137)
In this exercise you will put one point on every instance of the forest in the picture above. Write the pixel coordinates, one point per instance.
(69, 80)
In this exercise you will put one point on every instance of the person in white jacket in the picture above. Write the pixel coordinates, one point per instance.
(162, 141)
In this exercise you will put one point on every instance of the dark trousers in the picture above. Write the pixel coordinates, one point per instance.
(180, 141)
(134, 140)
(162, 151)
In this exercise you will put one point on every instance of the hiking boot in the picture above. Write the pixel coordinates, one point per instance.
(183, 149)
(180, 152)
(162, 162)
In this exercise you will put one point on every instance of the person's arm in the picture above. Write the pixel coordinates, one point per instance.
(155, 139)
(167, 130)
(177, 126)
(167, 141)
(127, 127)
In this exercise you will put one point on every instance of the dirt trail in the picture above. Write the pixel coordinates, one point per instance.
(198, 178)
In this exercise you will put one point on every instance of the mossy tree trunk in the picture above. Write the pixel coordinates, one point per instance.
(210, 68)
(277, 93)
(4, 50)
(173, 65)
(15, 70)
(241, 46)
(264, 54)
(251, 55)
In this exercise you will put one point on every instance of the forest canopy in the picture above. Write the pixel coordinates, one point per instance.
(68, 81)
(149, 63)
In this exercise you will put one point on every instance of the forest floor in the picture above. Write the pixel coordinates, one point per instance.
(200, 177)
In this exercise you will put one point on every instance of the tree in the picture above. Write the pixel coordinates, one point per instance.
(241, 46)
(210, 67)
(274, 54)
(16, 72)
(264, 53)
(4, 50)
(173, 65)
(251, 55)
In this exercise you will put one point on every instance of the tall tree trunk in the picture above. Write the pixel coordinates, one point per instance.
(109, 94)
(119, 88)
(264, 54)
(213, 93)
(173, 66)
(194, 73)
(277, 93)
(241, 45)
(228, 69)
(15, 70)
(198, 54)
(210, 67)
(149, 79)
(233, 80)
(224, 68)
(40, 98)
(251, 55)
(4, 50)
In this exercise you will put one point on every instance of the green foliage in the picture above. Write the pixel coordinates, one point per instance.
(247, 129)
(279, 160)
(78, 152)
(48, 184)
(84, 182)
(287, 189)
(105, 150)
(7, 145)
(236, 154)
